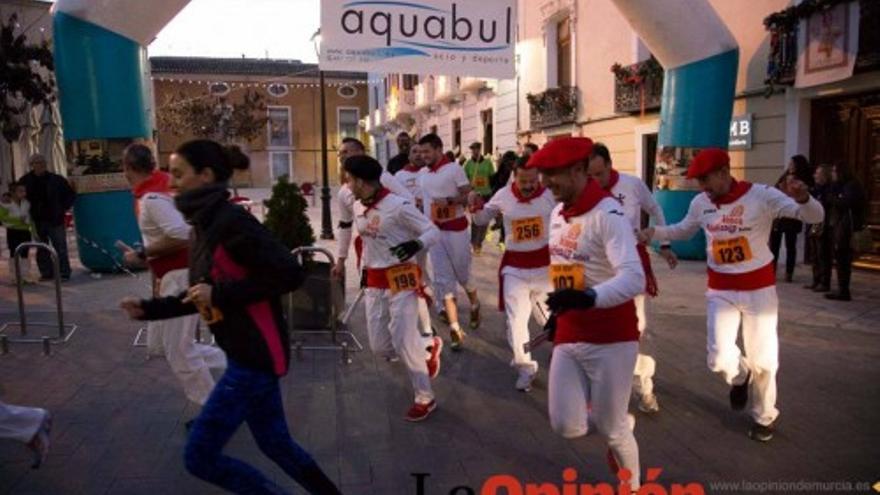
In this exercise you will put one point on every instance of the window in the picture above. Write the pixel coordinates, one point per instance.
(281, 163)
(279, 127)
(348, 123)
(488, 131)
(563, 53)
(410, 81)
(219, 89)
(277, 90)
(348, 92)
(456, 134)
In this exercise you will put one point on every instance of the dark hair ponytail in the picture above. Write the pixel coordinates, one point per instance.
(222, 160)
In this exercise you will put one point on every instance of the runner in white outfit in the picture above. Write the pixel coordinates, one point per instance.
(394, 231)
(29, 425)
(737, 218)
(410, 177)
(445, 189)
(345, 200)
(166, 237)
(636, 198)
(523, 277)
(597, 273)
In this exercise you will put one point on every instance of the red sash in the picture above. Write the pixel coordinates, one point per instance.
(651, 287)
(161, 265)
(454, 225)
(598, 325)
(753, 280)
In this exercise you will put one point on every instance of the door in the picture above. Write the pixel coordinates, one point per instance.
(282, 165)
(847, 130)
(649, 145)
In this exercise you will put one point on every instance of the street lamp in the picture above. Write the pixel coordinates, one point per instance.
(326, 220)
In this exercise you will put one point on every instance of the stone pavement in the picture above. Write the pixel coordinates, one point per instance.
(119, 418)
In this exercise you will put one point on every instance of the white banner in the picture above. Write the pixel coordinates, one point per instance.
(829, 42)
(444, 37)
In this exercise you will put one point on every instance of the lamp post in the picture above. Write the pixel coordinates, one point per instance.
(326, 220)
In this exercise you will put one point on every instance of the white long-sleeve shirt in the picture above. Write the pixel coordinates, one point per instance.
(345, 200)
(635, 197)
(522, 220)
(390, 222)
(603, 242)
(158, 218)
(441, 184)
(737, 232)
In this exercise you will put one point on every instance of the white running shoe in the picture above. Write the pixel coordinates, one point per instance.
(525, 379)
(648, 403)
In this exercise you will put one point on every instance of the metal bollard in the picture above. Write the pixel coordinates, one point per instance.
(47, 346)
(346, 353)
(4, 344)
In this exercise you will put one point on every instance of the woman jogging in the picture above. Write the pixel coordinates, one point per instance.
(238, 273)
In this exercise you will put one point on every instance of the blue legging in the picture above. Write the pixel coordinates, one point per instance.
(247, 395)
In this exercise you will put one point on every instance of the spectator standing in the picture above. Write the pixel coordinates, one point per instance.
(51, 197)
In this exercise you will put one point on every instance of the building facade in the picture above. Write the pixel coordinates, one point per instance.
(583, 71)
(291, 93)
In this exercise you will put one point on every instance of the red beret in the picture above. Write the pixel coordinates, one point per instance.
(561, 153)
(706, 161)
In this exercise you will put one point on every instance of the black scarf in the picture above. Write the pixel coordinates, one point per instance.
(199, 204)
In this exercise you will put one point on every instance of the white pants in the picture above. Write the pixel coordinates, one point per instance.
(525, 295)
(401, 335)
(645, 363)
(601, 375)
(451, 260)
(758, 310)
(190, 361)
(19, 422)
(424, 314)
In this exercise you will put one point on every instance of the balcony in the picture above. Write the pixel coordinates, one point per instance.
(638, 87)
(782, 59)
(448, 89)
(401, 104)
(472, 84)
(783, 27)
(424, 95)
(554, 107)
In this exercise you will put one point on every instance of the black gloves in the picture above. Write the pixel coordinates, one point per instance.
(565, 299)
(406, 250)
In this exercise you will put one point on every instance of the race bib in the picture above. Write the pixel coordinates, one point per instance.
(403, 277)
(527, 229)
(728, 251)
(567, 276)
(480, 182)
(442, 212)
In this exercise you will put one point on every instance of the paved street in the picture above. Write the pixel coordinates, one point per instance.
(119, 418)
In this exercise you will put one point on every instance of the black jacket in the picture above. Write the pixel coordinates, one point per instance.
(50, 196)
(847, 206)
(249, 271)
(397, 163)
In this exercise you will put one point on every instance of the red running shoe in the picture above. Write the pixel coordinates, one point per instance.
(434, 358)
(419, 412)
